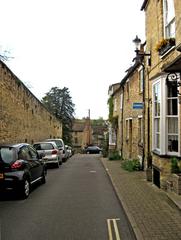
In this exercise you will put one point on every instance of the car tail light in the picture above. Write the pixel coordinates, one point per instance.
(16, 165)
(54, 151)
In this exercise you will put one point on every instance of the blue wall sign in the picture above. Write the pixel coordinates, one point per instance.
(138, 105)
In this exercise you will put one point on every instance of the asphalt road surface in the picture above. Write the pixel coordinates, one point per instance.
(77, 203)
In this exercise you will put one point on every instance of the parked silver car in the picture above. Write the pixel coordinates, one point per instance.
(69, 151)
(61, 146)
(51, 152)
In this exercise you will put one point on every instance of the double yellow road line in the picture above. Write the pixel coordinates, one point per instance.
(113, 229)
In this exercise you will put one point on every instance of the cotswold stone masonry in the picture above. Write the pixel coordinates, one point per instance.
(23, 118)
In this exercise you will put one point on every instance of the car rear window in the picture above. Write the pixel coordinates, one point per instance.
(7, 154)
(43, 146)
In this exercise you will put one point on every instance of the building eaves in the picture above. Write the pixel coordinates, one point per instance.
(144, 5)
(78, 127)
(130, 71)
(117, 90)
(174, 66)
(113, 88)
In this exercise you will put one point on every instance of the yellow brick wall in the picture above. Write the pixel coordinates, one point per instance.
(23, 118)
(129, 112)
(154, 33)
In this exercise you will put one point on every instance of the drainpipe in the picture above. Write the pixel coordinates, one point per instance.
(149, 158)
(143, 155)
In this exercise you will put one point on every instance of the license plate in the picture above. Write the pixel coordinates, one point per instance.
(1, 175)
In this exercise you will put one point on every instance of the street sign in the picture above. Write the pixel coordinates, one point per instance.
(138, 105)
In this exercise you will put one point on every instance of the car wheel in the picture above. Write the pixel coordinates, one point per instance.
(25, 189)
(57, 164)
(60, 161)
(43, 179)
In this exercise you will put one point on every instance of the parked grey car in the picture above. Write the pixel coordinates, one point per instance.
(61, 146)
(50, 151)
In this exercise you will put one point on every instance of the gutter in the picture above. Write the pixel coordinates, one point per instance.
(144, 5)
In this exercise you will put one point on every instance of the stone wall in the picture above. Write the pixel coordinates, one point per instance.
(154, 34)
(132, 147)
(23, 118)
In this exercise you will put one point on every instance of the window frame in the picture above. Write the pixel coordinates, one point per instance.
(121, 101)
(141, 79)
(168, 24)
(163, 125)
(127, 127)
(140, 129)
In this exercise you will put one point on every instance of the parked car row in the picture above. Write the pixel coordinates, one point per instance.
(22, 164)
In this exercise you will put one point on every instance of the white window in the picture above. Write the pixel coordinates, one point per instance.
(141, 79)
(112, 136)
(127, 129)
(115, 104)
(172, 118)
(140, 129)
(165, 117)
(121, 101)
(156, 114)
(169, 18)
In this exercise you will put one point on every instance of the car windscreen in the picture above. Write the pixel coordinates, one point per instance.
(7, 154)
(43, 146)
(58, 143)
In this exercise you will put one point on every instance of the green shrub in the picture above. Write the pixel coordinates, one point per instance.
(131, 165)
(105, 148)
(174, 165)
(114, 156)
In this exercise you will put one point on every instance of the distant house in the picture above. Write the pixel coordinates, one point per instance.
(114, 116)
(78, 135)
(99, 134)
(86, 132)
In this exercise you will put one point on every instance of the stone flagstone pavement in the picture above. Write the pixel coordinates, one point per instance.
(150, 210)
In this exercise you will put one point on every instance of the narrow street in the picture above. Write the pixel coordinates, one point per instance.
(77, 203)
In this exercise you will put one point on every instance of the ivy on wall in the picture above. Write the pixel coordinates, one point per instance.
(112, 119)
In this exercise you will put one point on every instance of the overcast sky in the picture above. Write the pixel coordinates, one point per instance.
(85, 45)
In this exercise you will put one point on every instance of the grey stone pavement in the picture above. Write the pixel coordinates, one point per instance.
(152, 212)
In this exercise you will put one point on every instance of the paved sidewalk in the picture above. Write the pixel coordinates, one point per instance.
(150, 210)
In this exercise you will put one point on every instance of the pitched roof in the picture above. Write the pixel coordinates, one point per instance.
(78, 126)
(129, 72)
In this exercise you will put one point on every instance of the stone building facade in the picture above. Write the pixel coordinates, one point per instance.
(78, 138)
(114, 117)
(133, 114)
(153, 133)
(163, 41)
(23, 118)
(129, 112)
